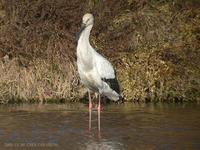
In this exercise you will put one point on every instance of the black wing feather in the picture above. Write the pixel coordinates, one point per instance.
(113, 83)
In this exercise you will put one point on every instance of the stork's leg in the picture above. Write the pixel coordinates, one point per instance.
(90, 100)
(99, 105)
(99, 113)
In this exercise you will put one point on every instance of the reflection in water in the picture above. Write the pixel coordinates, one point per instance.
(90, 119)
(119, 127)
(99, 122)
(100, 143)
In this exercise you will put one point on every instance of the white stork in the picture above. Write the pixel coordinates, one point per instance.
(96, 72)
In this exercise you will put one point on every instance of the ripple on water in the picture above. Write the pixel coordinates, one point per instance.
(122, 126)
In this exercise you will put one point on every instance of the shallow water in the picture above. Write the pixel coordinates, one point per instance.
(126, 126)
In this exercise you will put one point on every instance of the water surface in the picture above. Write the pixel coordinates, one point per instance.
(124, 126)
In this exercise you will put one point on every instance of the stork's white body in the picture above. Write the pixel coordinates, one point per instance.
(93, 67)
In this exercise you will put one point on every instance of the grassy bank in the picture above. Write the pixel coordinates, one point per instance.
(154, 46)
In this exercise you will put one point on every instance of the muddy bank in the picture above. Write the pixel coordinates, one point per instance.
(154, 47)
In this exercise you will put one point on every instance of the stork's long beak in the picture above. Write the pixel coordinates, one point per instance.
(83, 26)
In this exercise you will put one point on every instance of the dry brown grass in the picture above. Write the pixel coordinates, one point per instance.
(164, 41)
(37, 41)
(154, 46)
(40, 82)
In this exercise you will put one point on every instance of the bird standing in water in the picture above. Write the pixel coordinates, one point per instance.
(95, 71)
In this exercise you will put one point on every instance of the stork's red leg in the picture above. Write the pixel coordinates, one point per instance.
(90, 100)
(99, 105)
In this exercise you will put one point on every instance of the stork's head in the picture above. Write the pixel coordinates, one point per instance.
(88, 19)
(87, 23)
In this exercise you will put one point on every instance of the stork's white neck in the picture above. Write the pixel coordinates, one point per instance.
(85, 35)
(84, 49)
